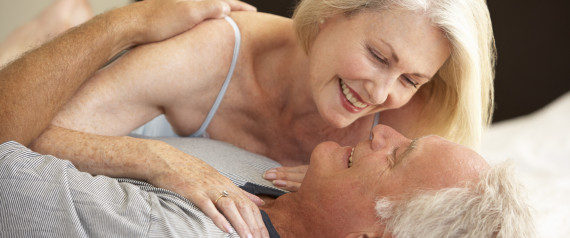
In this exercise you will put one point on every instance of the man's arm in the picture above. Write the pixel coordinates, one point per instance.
(34, 87)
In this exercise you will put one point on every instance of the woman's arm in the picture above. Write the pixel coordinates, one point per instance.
(179, 77)
(161, 165)
(182, 73)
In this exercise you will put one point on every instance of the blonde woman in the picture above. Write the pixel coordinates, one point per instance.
(330, 74)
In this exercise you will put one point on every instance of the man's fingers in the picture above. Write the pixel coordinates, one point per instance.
(208, 9)
(217, 8)
(240, 6)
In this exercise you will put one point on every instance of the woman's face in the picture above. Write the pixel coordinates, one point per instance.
(372, 61)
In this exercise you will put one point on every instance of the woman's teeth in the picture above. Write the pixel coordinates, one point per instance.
(350, 97)
(350, 158)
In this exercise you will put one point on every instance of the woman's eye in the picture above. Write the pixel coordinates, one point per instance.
(411, 82)
(377, 56)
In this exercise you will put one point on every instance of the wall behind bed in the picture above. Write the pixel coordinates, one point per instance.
(14, 13)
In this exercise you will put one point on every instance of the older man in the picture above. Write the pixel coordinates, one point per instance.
(388, 186)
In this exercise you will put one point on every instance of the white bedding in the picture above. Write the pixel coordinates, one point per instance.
(539, 144)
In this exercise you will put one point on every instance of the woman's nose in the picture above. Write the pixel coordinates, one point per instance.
(380, 88)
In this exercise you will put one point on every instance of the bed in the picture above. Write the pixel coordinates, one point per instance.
(539, 145)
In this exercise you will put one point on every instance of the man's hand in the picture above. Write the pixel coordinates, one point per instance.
(162, 19)
(34, 87)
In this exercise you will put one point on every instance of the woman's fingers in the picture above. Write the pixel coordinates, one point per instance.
(214, 194)
(288, 178)
(242, 214)
(287, 185)
(255, 199)
(209, 208)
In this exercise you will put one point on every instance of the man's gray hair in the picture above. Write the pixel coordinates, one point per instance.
(494, 207)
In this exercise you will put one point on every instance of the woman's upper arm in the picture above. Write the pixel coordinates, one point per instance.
(151, 79)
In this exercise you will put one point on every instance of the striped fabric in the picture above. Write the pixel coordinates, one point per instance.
(42, 196)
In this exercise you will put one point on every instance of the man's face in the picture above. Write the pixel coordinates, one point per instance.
(389, 165)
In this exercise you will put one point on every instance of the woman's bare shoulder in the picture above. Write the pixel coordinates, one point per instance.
(259, 20)
(263, 29)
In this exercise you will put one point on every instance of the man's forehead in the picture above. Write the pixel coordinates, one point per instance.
(457, 163)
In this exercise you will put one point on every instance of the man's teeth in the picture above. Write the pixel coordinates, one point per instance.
(350, 97)
(350, 158)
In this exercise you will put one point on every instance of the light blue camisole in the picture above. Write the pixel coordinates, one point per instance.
(159, 126)
(202, 131)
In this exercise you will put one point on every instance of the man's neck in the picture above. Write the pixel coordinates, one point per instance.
(289, 216)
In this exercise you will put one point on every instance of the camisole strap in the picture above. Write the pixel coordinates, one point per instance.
(204, 126)
(376, 121)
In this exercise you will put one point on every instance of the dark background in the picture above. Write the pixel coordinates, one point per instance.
(532, 38)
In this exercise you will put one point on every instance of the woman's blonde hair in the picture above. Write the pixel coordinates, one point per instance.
(460, 103)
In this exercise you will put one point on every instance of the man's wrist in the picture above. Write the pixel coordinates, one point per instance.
(121, 28)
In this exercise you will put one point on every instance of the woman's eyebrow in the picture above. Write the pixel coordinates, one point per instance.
(396, 59)
(394, 55)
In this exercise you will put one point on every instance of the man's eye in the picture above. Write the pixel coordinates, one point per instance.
(392, 157)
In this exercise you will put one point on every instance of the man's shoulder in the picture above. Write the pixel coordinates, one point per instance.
(9, 147)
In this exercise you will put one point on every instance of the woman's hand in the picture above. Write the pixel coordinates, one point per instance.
(163, 166)
(204, 186)
(288, 178)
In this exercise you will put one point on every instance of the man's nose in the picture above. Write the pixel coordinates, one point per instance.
(383, 136)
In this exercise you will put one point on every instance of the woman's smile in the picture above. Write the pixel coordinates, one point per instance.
(351, 100)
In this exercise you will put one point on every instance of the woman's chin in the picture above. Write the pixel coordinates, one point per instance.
(340, 121)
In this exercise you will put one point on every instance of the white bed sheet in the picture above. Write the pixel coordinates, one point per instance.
(539, 144)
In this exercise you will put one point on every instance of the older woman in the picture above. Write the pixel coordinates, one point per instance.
(422, 67)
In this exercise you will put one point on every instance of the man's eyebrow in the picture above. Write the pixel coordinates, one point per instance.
(410, 148)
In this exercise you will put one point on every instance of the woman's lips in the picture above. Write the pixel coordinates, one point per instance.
(351, 101)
